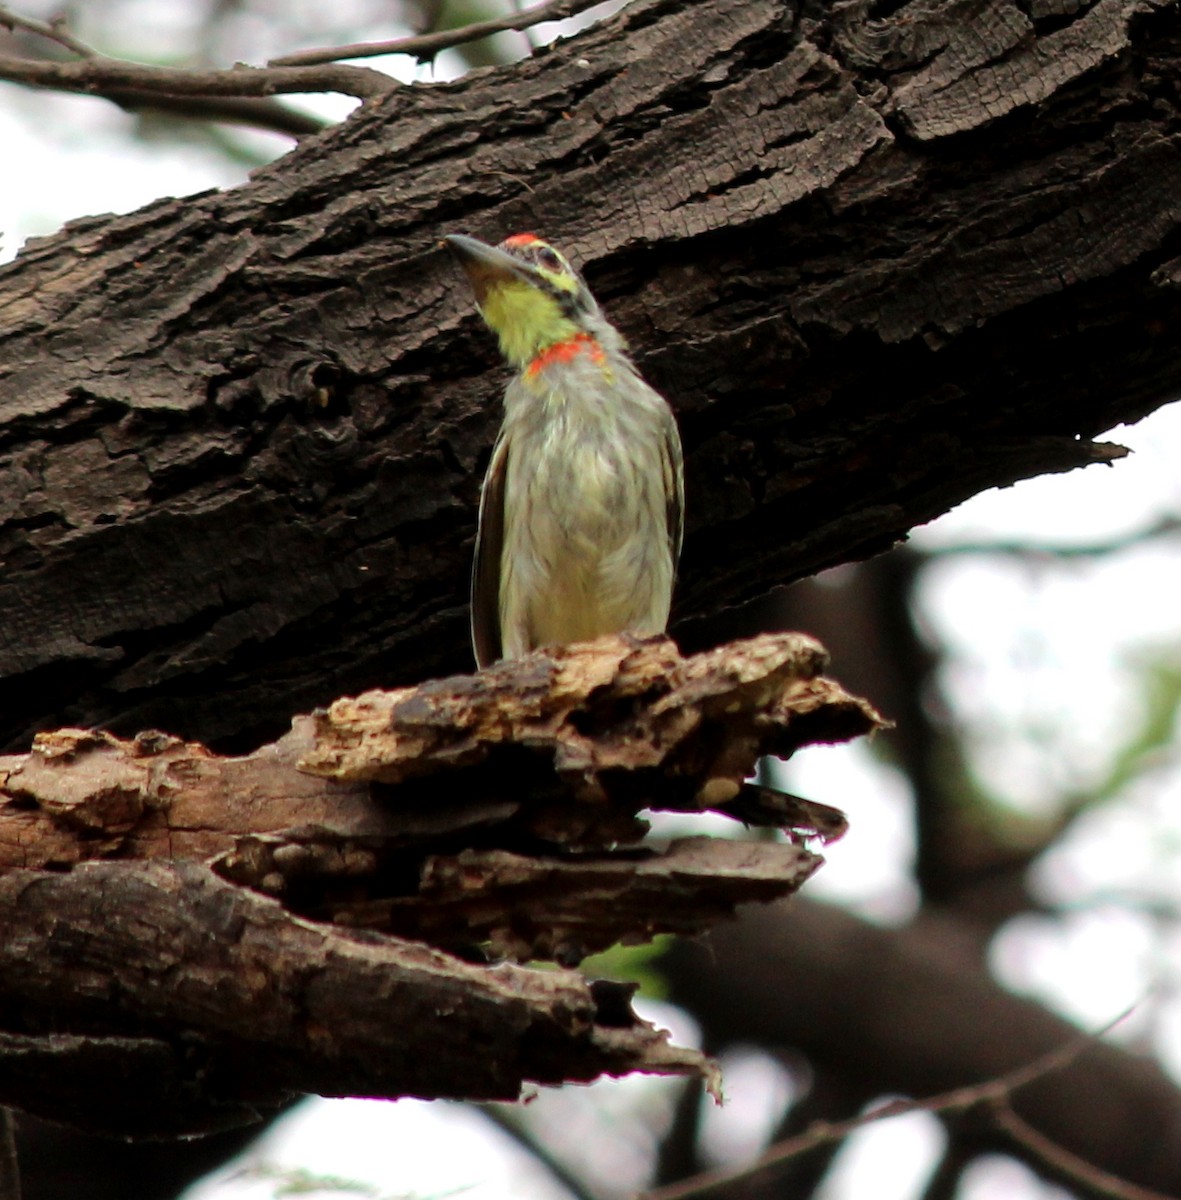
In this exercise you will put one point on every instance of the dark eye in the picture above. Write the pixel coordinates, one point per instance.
(549, 259)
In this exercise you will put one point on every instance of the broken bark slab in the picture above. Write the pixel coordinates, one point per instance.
(525, 907)
(236, 1005)
(548, 760)
(604, 728)
(319, 915)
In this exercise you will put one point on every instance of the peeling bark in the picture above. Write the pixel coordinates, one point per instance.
(234, 931)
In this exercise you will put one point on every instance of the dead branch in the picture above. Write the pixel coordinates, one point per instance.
(1060, 1164)
(318, 932)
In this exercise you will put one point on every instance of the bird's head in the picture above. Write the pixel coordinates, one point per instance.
(528, 294)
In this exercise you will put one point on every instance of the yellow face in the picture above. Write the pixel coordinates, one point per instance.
(526, 291)
(525, 319)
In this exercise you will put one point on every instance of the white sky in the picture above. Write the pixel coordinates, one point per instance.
(1044, 670)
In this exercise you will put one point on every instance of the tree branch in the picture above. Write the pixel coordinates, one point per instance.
(316, 931)
(990, 1093)
(216, 1003)
(426, 45)
(54, 31)
(303, 71)
(101, 76)
(295, 375)
(1060, 1164)
(260, 114)
(914, 1011)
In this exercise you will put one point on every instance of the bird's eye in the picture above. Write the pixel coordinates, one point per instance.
(549, 259)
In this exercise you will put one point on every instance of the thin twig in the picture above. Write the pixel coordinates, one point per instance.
(54, 31)
(97, 74)
(509, 1123)
(1093, 1180)
(819, 1133)
(427, 45)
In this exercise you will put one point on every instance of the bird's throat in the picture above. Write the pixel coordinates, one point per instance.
(564, 352)
(526, 320)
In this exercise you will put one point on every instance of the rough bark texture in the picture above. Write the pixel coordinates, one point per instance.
(877, 264)
(193, 938)
(237, 1006)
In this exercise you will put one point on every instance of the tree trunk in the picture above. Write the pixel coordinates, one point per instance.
(876, 264)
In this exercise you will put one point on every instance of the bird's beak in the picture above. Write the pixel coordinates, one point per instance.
(486, 266)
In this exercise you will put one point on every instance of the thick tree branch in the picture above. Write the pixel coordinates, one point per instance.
(234, 1005)
(244, 432)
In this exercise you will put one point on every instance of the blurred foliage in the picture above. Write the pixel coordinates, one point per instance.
(633, 964)
(1150, 739)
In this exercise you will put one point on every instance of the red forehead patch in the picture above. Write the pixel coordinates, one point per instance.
(522, 239)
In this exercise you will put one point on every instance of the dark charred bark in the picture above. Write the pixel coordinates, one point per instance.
(876, 264)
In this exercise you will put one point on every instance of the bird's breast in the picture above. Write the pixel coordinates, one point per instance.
(586, 547)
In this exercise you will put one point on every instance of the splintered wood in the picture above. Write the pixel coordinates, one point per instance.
(494, 815)
(402, 839)
(614, 724)
(565, 748)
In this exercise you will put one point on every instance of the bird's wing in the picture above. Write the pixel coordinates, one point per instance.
(672, 465)
(486, 639)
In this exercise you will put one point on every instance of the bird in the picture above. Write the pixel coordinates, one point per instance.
(581, 511)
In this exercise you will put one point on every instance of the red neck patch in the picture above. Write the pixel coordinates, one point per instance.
(565, 352)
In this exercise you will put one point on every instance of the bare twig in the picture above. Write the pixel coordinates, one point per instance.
(507, 1118)
(97, 74)
(427, 45)
(993, 1093)
(101, 75)
(1091, 1180)
(54, 31)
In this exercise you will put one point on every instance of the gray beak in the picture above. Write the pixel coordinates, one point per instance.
(485, 265)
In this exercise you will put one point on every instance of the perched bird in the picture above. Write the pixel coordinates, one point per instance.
(580, 515)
